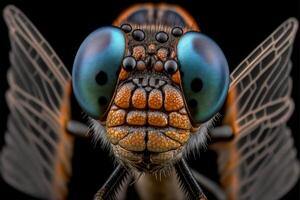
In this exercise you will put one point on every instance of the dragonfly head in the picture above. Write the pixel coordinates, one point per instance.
(151, 87)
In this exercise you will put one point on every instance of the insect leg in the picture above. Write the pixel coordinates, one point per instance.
(223, 133)
(188, 181)
(210, 185)
(113, 184)
(77, 128)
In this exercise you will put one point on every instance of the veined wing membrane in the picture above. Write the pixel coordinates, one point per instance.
(260, 162)
(36, 158)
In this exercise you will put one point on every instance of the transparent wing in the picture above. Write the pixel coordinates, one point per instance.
(37, 154)
(260, 162)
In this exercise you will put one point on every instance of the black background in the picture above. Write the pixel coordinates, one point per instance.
(238, 27)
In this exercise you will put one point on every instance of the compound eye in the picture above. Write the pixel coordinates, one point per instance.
(95, 69)
(205, 75)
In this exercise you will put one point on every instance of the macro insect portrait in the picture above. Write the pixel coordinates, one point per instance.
(148, 105)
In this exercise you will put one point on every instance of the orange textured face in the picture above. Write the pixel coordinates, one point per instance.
(147, 123)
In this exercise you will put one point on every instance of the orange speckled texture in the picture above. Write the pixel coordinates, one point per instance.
(139, 98)
(153, 120)
(179, 121)
(123, 96)
(173, 99)
(181, 136)
(123, 74)
(135, 141)
(157, 142)
(116, 133)
(115, 118)
(155, 100)
(139, 52)
(136, 118)
(151, 48)
(162, 54)
(157, 119)
(176, 77)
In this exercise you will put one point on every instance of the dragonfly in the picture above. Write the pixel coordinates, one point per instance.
(153, 87)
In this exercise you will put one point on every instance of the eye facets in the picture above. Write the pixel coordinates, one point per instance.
(97, 61)
(206, 75)
(129, 63)
(171, 66)
(161, 37)
(138, 35)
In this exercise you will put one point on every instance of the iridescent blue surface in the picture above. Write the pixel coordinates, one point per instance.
(102, 51)
(201, 58)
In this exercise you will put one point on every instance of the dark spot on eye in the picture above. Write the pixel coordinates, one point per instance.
(177, 31)
(126, 28)
(196, 85)
(161, 37)
(103, 101)
(171, 66)
(101, 78)
(138, 35)
(192, 103)
(129, 63)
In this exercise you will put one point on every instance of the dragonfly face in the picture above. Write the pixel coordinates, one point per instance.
(148, 123)
(151, 81)
(151, 87)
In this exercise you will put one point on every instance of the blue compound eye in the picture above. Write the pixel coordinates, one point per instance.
(205, 75)
(95, 69)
